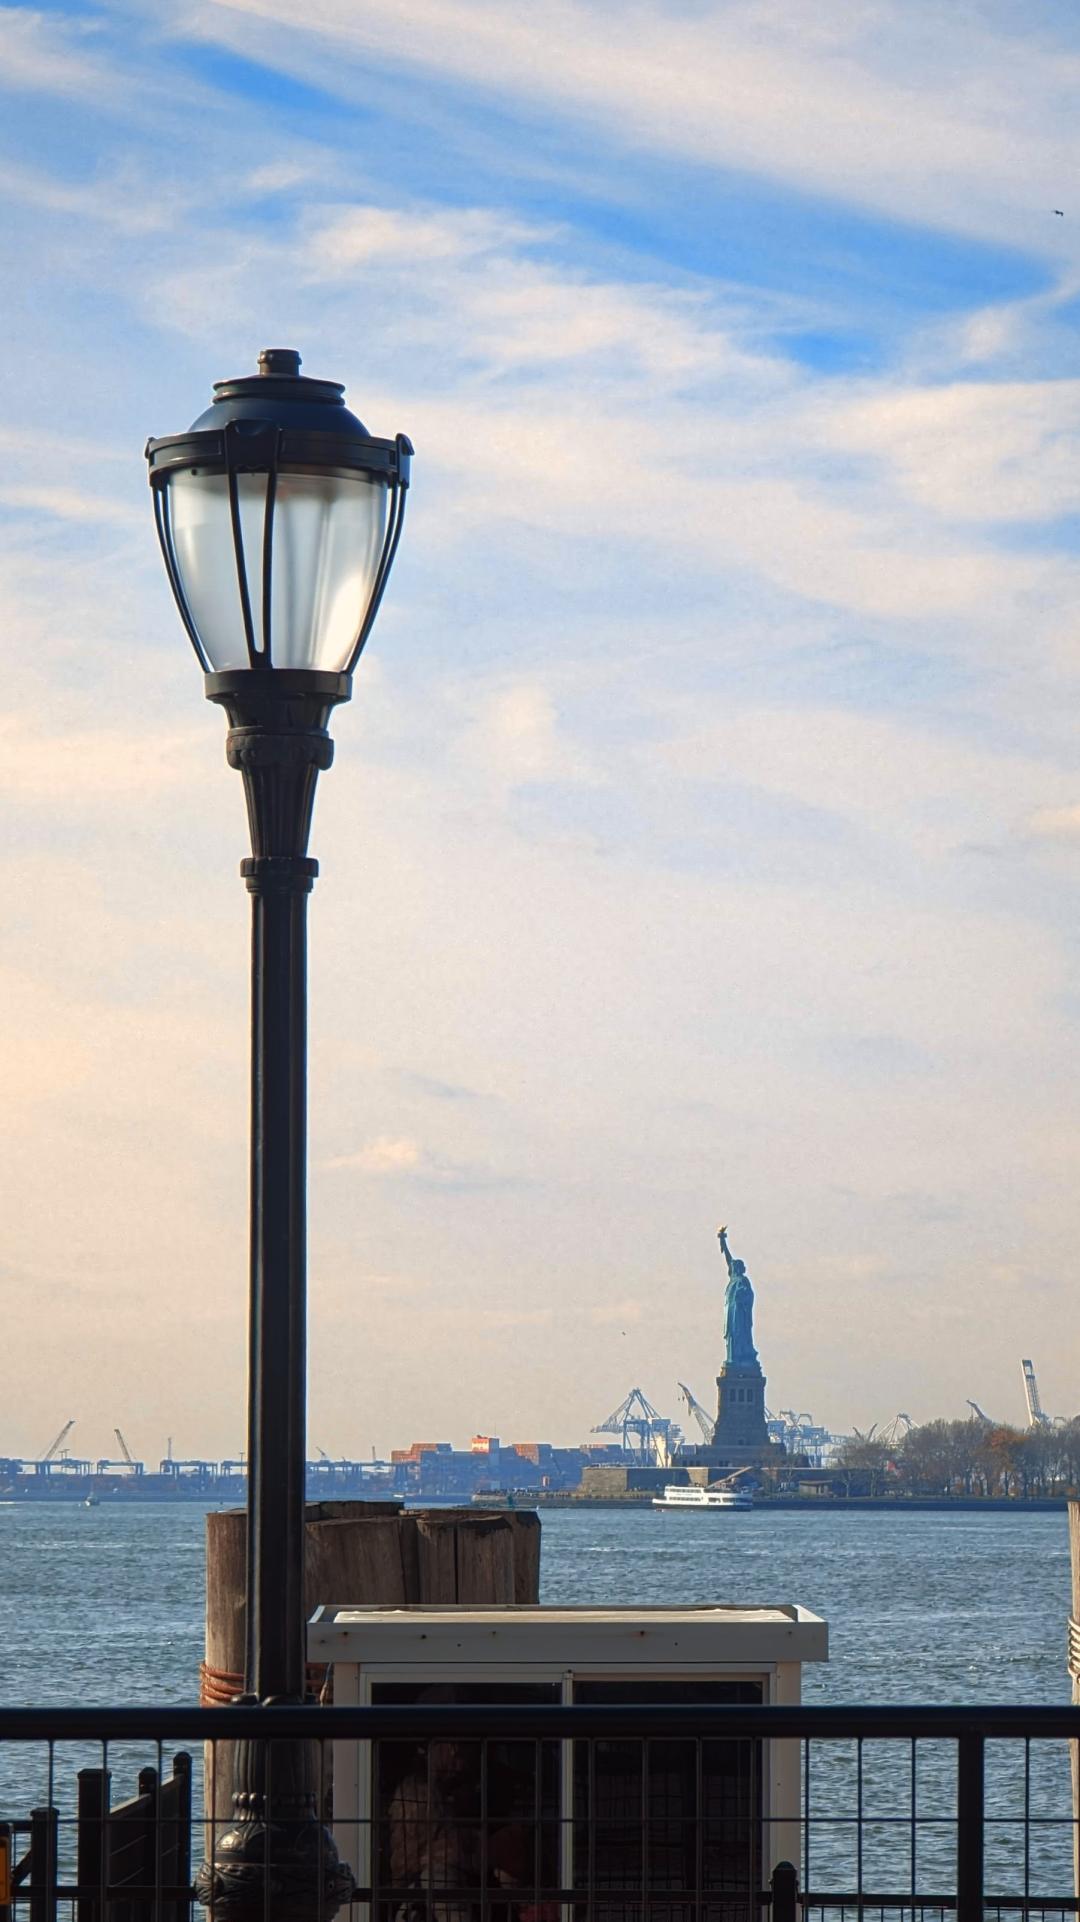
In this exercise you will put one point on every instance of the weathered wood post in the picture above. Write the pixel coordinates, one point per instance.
(1074, 1674)
(1075, 1678)
(360, 1552)
(466, 1556)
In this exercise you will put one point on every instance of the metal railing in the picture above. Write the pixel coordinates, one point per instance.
(506, 1813)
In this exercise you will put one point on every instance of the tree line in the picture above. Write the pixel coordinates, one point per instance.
(973, 1457)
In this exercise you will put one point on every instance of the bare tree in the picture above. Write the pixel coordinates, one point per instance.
(863, 1463)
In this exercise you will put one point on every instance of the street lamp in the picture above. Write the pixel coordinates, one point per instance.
(279, 516)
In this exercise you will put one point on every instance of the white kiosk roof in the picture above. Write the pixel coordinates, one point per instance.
(708, 1633)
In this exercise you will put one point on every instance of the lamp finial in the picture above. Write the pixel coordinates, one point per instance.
(279, 360)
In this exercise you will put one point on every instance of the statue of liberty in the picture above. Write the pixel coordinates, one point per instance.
(738, 1311)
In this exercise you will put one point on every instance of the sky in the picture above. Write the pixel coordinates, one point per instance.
(703, 841)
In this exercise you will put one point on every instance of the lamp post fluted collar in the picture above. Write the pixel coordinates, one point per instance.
(279, 741)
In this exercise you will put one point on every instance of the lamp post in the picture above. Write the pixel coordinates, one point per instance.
(279, 517)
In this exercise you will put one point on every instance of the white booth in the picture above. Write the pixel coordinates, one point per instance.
(670, 1818)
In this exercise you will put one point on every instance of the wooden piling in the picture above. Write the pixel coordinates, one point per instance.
(464, 1557)
(361, 1552)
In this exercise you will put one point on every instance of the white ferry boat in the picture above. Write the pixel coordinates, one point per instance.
(696, 1497)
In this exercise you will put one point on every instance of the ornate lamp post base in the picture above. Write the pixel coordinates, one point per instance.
(277, 1859)
(276, 1869)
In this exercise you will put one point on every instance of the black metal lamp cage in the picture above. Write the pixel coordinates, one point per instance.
(279, 516)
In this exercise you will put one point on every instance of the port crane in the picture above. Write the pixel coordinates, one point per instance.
(895, 1430)
(193, 1470)
(42, 1464)
(56, 1444)
(643, 1430)
(700, 1414)
(56, 1457)
(1037, 1416)
(797, 1431)
(799, 1434)
(127, 1460)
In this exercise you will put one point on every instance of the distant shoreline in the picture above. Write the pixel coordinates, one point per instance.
(540, 1500)
(807, 1505)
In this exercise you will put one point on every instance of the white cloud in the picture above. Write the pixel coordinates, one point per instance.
(974, 451)
(739, 468)
(1056, 823)
(898, 107)
(118, 201)
(40, 53)
(363, 236)
(66, 503)
(928, 790)
(617, 1313)
(394, 1284)
(520, 726)
(515, 1317)
(512, 310)
(41, 763)
(804, 536)
(385, 1155)
(279, 177)
(514, 737)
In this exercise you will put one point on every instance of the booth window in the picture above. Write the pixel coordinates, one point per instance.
(465, 1829)
(667, 1830)
(661, 1830)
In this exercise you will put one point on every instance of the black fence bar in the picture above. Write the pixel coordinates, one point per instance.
(785, 1893)
(658, 1835)
(43, 1855)
(7, 1865)
(628, 1721)
(934, 1899)
(970, 1834)
(92, 1807)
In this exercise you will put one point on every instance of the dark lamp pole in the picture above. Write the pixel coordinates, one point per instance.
(279, 516)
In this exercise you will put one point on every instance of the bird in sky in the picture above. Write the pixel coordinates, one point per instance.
(1060, 211)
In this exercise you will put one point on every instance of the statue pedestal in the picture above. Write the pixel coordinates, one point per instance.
(740, 1409)
(740, 1438)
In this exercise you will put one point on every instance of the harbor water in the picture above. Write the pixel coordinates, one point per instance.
(105, 1605)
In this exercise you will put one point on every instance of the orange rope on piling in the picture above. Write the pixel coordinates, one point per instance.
(219, 1687)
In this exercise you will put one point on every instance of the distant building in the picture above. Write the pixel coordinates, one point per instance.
(487, 1466)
